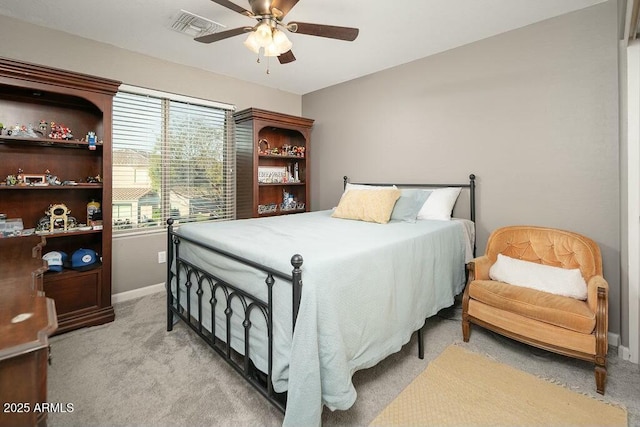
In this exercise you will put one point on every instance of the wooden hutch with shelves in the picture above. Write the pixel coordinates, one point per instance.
(272, 159)
(30, 94)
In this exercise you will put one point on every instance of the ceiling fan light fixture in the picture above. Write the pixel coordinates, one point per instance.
(273, 41)
(252, 43)
(271, 50)
(263, 35)
(281, 42)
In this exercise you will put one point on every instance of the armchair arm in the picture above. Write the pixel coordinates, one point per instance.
(479, 268)
(593, 284)
(598, 301)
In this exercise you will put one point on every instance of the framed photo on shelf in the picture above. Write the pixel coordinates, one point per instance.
(34, 179)
(272, 174)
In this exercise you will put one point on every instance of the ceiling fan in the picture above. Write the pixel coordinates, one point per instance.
(267, 33)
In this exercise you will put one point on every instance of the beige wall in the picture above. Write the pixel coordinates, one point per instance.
(533, 113)
(135, 259)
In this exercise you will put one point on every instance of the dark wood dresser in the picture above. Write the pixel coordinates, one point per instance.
(27, 319)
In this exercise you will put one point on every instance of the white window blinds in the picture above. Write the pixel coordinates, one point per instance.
(172, 157)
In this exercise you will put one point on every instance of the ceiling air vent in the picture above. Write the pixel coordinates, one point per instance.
(193, 25)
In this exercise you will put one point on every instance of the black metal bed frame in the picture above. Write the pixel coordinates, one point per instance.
(196, 276)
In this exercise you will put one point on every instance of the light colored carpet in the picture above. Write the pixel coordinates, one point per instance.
(460, 387)
(131, 372)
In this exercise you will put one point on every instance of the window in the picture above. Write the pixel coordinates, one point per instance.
(173, 156)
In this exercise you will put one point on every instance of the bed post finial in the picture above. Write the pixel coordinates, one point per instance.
(296, 262)
(345, 179)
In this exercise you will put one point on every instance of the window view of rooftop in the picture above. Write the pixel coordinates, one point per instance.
(169, 161)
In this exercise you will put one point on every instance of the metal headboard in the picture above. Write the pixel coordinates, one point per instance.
(471, 185)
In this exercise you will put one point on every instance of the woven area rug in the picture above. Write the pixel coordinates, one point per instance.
(463, 388)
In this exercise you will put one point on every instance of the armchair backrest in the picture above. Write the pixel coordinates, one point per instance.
(548, 246)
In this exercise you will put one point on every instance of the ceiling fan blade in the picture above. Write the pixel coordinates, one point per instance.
(283, 6)
(231, 5)
(210, 38)
(286, 57)
(329, 31)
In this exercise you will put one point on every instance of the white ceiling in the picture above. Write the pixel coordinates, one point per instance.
(391, 32)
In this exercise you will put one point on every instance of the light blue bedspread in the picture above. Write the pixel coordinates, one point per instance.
(366, 288)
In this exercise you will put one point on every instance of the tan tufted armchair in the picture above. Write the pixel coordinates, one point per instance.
(552, 322)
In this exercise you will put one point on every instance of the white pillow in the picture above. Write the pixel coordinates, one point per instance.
(555, 280)
(440, 203)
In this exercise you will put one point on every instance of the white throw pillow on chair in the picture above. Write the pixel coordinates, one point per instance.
(555, 280)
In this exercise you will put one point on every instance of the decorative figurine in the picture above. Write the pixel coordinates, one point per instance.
(288, 201)
(22, 131)
(30, 132)
(263, 146)
(49, 223)
(58, 214)
(94, 179)
(59, 131)
(43, 127)
(91, 139)
(298, 151)
(51, 179)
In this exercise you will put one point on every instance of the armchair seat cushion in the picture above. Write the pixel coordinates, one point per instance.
(557, 310)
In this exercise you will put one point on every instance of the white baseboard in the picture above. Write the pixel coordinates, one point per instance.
(624, 353)
(137, 293)
(613, 339)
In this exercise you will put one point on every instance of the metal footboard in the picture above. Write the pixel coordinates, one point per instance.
(186, 275)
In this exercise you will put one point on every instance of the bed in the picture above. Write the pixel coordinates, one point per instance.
(296, 328)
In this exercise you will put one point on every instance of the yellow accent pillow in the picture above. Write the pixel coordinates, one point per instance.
(367, 205)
